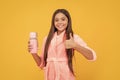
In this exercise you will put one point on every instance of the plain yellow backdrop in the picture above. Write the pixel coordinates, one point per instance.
(96, 21)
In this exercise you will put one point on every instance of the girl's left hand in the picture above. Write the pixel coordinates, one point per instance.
(70, 43)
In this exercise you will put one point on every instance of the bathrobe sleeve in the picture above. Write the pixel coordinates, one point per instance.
(80, 41)
(42, 53)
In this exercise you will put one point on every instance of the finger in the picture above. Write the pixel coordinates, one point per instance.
(29, 49)
(71, 37)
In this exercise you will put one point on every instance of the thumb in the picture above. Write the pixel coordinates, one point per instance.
(71, 37)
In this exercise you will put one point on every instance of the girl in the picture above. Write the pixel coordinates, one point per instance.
(58, 48)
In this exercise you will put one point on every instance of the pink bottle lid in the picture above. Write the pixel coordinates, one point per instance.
(33, 34)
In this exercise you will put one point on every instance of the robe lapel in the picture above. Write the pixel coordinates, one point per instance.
(57, 39)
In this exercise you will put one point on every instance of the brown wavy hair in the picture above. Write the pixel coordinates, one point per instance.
(69, 52)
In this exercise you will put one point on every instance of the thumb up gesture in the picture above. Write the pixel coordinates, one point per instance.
(70, 43)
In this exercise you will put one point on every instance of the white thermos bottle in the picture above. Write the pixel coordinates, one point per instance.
(33, 42)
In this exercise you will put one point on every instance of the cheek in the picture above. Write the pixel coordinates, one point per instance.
(66, 23)
(55, 24)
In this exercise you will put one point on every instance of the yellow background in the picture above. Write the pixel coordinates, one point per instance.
(96, 21)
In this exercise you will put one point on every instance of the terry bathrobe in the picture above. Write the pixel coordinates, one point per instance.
(57, 63)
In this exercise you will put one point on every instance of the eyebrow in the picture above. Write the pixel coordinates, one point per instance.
(61, 17)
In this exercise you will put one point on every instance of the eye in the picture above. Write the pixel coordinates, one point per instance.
(56, 20)
(63, 19)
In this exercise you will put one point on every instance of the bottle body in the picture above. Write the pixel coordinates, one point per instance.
(33, 42)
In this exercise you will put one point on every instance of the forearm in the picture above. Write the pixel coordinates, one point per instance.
(84, 51)
(37, 59)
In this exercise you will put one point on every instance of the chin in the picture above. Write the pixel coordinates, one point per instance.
(60, 30)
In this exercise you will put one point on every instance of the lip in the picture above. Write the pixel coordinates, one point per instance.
(60, 26)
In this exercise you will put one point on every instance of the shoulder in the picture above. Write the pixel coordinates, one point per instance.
(76, 36)
(78, 39)
(44, 39)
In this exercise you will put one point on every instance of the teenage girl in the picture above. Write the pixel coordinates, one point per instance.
(58, 48)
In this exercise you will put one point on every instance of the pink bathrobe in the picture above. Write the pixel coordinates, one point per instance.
(57, 63)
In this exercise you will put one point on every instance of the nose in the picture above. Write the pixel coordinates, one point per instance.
(60, 22)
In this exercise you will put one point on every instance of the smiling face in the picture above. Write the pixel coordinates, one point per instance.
(60, 22)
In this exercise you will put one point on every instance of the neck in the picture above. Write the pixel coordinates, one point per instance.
(59, 32)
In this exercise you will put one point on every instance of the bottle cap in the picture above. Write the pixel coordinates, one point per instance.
(33, 34)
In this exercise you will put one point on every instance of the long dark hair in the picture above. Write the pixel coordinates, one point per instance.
(70, 52)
